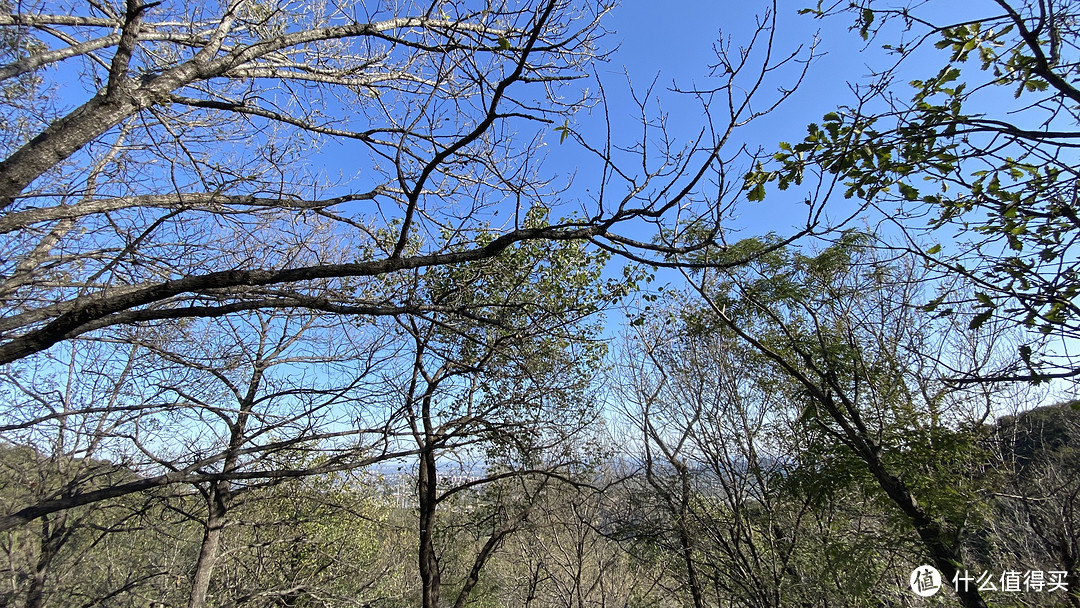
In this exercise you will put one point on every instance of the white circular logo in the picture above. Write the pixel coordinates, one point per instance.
(925, 581)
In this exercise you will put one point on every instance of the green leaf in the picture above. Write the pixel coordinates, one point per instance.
(980, 319)
(909, 193)
(867, 19)
(948, 75)
(934, 249)
(1025, 354)
(564, 131)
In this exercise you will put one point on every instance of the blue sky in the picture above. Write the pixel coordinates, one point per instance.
(676, 46)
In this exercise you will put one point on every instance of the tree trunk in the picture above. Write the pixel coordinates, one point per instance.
(215, 524)
(217, 500)
(934, 539)
(429, 561)
(686, 541)
(54, 533)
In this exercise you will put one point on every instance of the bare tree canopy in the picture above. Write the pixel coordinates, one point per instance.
(177, 187)
(250, 155)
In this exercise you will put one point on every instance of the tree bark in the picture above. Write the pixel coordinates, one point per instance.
(217, 501)
(220, 493)
(54, 533)
(429, 561)
(934, 538)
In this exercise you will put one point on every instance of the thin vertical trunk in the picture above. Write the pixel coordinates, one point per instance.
(679, 505)
(429, 561)
(218, 497)
(686, 541)
(53, 535)
(217, 506)
(499, 533)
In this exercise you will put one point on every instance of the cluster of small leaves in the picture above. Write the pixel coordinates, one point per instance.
(1016, 66)
(1009, 190)
(871, 164)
